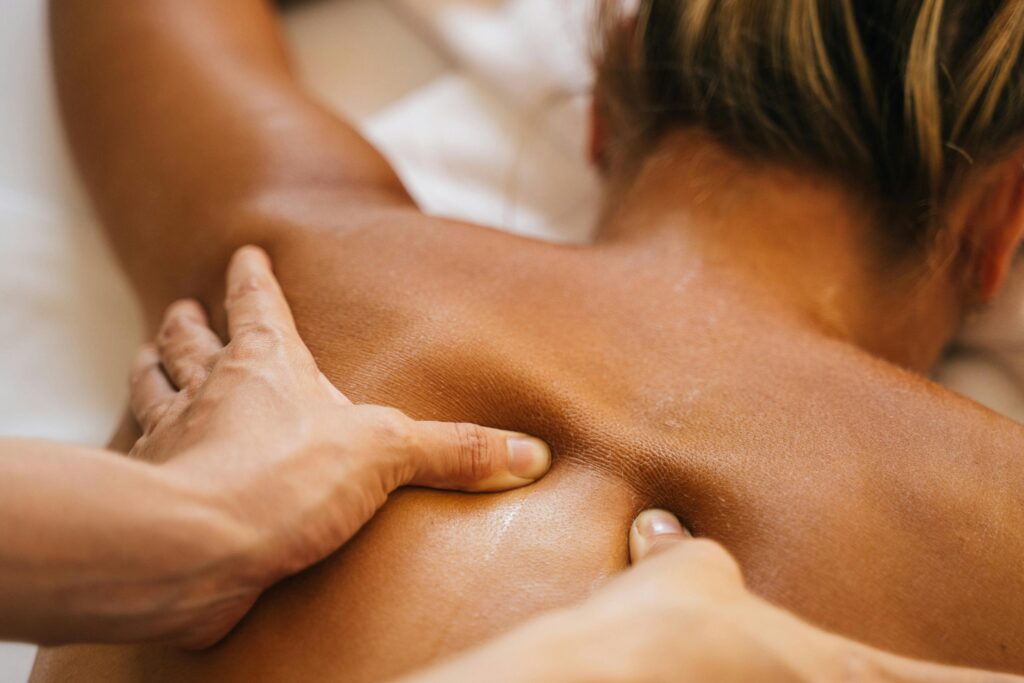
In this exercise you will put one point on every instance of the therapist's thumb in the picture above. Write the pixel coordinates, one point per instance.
(653, 532)
(693, 564)
(468, 457)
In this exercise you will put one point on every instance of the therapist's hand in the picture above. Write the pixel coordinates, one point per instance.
(257, 431)
(683, 615)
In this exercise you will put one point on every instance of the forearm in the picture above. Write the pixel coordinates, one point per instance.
(98, 547)
(559, 649)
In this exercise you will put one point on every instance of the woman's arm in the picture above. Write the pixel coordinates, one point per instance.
(194, 138)
(267, 469)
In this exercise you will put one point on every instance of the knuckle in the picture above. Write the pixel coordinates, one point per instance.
(261, 332)
(700, 563)
(183, 348)
(172, 328)
(255, 342)
(474, 452)
(713, 555)
(179, 318)
(243, 351)
(247, 286)
(178, 338)
(664, 582)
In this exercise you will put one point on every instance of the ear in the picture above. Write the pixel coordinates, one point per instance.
(598, 142)
(995, 224)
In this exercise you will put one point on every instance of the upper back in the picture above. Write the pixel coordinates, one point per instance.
(656, 386)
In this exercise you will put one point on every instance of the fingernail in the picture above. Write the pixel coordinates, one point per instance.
(650, 526)
(652, 523)
(528, 458)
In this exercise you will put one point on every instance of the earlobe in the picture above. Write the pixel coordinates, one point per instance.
(598, 143)
(1002, 223)
(993, 276)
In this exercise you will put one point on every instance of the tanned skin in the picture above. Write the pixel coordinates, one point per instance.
(852, 492)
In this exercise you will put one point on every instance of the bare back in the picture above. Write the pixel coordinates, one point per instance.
(656, 387)
(857, 495)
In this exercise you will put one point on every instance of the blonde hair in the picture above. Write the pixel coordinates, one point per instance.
(897, 99)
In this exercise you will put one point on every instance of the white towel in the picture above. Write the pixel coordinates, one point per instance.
(499, 140)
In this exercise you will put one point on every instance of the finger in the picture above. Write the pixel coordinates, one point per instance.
(653, 532)
(254, 298)
(151, 391)
(187, 345)
(467, 457)
(690, 562)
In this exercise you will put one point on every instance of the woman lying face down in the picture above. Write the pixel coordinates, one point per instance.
(804, 198)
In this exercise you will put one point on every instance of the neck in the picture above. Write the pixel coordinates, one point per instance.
(796, 240)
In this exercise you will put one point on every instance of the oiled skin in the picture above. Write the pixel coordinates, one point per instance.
(853, 493)
(782, 448)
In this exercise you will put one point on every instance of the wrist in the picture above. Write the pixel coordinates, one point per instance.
(198, 558)
(224, 543)
(151, 561)
(237, 516)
